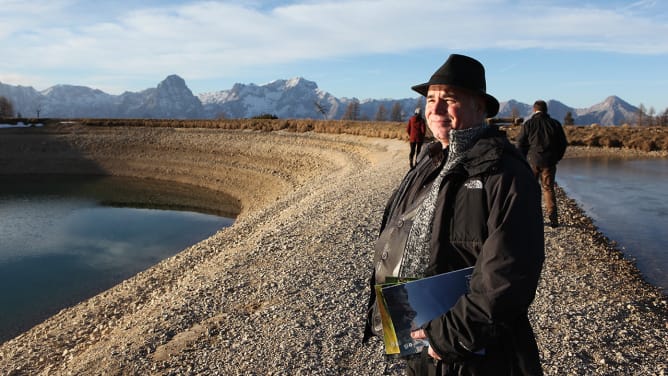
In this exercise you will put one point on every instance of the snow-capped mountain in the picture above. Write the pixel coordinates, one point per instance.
(613, 110)
(69, 101)
(293, 98)
(514, 108)
(171, 99)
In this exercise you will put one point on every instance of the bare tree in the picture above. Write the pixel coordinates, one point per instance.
(640, 115)
(321, 108)
(396, 114)
(514, 113)
(650, 116)
(381, 114)
(38, 108)
(352, 110)
(663, 119)
(568, 119)
(6, 108)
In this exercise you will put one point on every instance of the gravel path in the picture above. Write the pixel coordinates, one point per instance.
(283, 291)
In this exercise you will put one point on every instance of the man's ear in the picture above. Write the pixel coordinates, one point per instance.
(480, 105)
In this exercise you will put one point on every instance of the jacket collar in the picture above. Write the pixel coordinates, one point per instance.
(485, 152)
(436, 153)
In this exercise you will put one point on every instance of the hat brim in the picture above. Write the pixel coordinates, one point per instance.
(491, 104)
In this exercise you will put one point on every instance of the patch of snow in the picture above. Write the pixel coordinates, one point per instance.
(20, 124)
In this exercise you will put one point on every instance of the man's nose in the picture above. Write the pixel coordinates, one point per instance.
(441, 105)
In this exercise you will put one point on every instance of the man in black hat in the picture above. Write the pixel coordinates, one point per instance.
(471, 200)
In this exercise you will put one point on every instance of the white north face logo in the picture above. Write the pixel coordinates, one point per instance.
(473, 184)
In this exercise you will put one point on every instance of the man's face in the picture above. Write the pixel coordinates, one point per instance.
(452, 108)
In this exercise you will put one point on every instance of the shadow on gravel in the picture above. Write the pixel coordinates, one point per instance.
(43, 150)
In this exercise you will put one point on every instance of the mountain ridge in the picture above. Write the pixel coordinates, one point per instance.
(296, 97)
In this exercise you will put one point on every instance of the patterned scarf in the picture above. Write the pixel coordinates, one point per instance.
(417, 253)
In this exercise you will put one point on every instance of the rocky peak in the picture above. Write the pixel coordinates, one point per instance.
(174, 86)
(292, 98)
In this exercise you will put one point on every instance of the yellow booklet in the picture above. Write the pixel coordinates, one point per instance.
(407, 305)
(389, 336)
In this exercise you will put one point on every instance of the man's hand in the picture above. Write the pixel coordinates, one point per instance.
(420, 334)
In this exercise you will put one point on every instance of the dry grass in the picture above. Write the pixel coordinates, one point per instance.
(624, 136)
(360, 128)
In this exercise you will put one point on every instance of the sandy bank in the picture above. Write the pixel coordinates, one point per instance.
(283, 290)
(253, 169)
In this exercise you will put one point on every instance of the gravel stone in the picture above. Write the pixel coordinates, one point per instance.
(283, 291)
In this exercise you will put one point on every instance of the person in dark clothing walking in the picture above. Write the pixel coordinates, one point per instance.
(543, 142)
(471, 200)
(416, 129)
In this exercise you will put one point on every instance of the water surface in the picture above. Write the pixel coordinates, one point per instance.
(64, 239)
(626, 199)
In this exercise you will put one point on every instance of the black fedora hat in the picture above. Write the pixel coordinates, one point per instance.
(464, 72)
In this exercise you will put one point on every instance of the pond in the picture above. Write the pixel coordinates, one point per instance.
(67, 238)
(626, 200)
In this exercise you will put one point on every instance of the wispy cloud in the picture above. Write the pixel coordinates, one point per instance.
(201, 39)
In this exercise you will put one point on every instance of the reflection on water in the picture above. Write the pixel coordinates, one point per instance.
(61, 242)
(626, 200)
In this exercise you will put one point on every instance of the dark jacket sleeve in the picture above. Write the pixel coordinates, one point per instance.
(506, 272)
(523, 140)
(560, 141)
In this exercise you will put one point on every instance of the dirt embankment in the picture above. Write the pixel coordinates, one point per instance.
(285, 183)
(255, 170)
(283, 290)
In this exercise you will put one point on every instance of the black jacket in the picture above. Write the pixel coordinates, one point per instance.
(542, 140)
(488, 216)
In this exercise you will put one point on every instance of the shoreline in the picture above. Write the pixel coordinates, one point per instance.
(283, 290)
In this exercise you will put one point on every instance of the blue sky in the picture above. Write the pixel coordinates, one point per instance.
(578, 52)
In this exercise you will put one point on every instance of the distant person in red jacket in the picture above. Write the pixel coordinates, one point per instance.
(416, 128)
